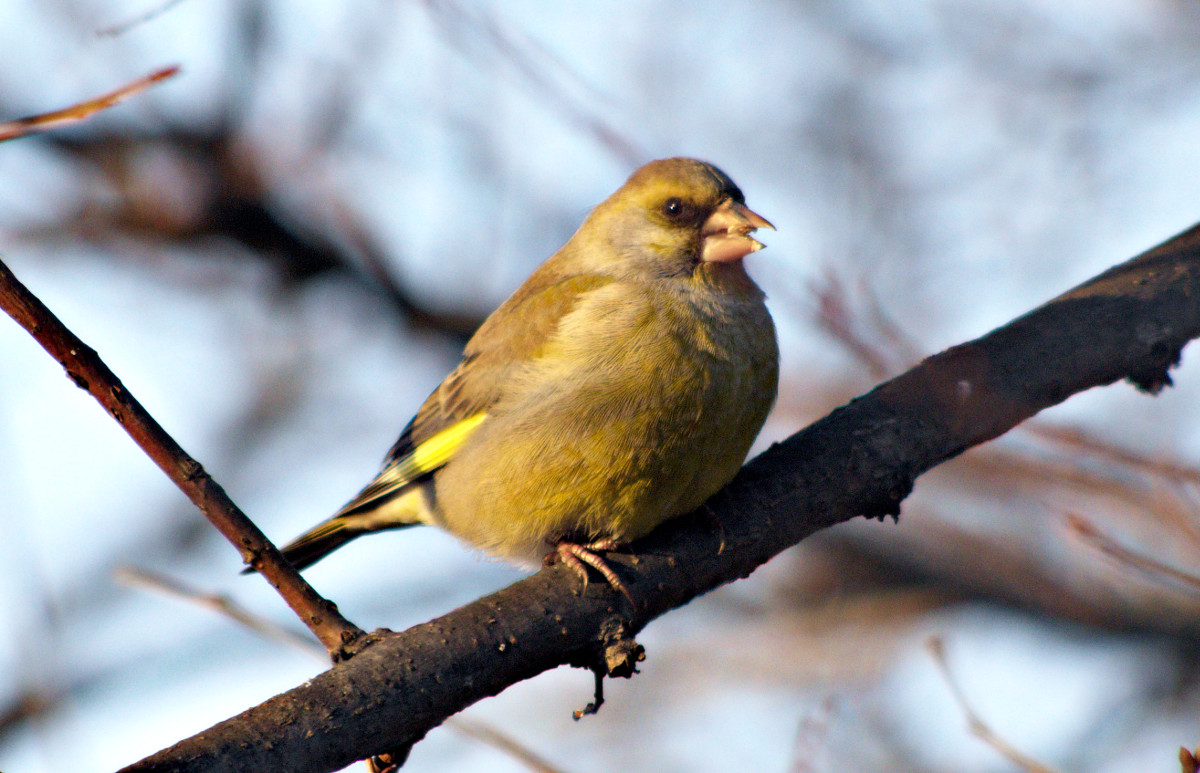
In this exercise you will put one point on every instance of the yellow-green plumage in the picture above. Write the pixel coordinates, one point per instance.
(622, 384)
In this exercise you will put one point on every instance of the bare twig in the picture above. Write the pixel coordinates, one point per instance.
(490, 736)
(85, 368)
(142, 18)
(1081, 440)
(218, 603)
(937, 649)
(44, 121)
(873, 338)
(1125, 555)
(521, 53)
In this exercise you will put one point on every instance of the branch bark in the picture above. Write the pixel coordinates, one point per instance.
(1130, 322)
(85, 368)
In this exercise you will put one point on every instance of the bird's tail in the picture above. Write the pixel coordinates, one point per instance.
(408, 509)
(321, 540)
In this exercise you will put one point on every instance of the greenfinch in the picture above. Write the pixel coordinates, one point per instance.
(621, 385)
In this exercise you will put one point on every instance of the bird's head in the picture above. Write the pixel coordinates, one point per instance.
(673, 218)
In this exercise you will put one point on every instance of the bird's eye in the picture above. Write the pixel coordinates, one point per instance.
(673, 208)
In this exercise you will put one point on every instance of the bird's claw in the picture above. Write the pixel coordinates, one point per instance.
(579, 557)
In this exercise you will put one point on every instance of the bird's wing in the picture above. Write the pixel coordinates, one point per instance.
(511, 337)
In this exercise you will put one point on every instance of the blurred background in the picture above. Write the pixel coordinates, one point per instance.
(283, 249)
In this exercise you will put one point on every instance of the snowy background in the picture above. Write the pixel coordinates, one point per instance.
(281, 250)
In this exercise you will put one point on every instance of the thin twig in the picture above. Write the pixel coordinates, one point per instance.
(1126, 555)
(142, 18)
(223, 605)
(85, 368)
(937, 649)
(68, 115)
(1081, 440)
(488, 735)
(870, 336)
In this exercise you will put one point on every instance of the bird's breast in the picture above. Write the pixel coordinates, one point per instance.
(641, 406)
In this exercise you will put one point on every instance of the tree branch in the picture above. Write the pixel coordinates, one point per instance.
(10, 130)
(1130, 322)
(88, 371)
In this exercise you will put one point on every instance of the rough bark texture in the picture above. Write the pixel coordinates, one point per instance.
(1130, 322)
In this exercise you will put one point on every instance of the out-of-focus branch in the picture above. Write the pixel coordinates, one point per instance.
(85, 368)
(116, 30)
(1189, 761)
(44, 121)
(219, 603)
(488, 735)
(1130, 322)
(1127, 556)
(221, 188)
(937, 649)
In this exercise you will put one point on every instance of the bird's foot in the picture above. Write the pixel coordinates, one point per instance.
(579, 557)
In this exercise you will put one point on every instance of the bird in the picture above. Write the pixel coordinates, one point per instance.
(621, 385)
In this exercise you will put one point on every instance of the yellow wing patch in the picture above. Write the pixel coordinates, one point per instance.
(431, 454)
(422, 460)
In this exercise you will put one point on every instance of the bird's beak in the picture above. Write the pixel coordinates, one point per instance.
(726, 233)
